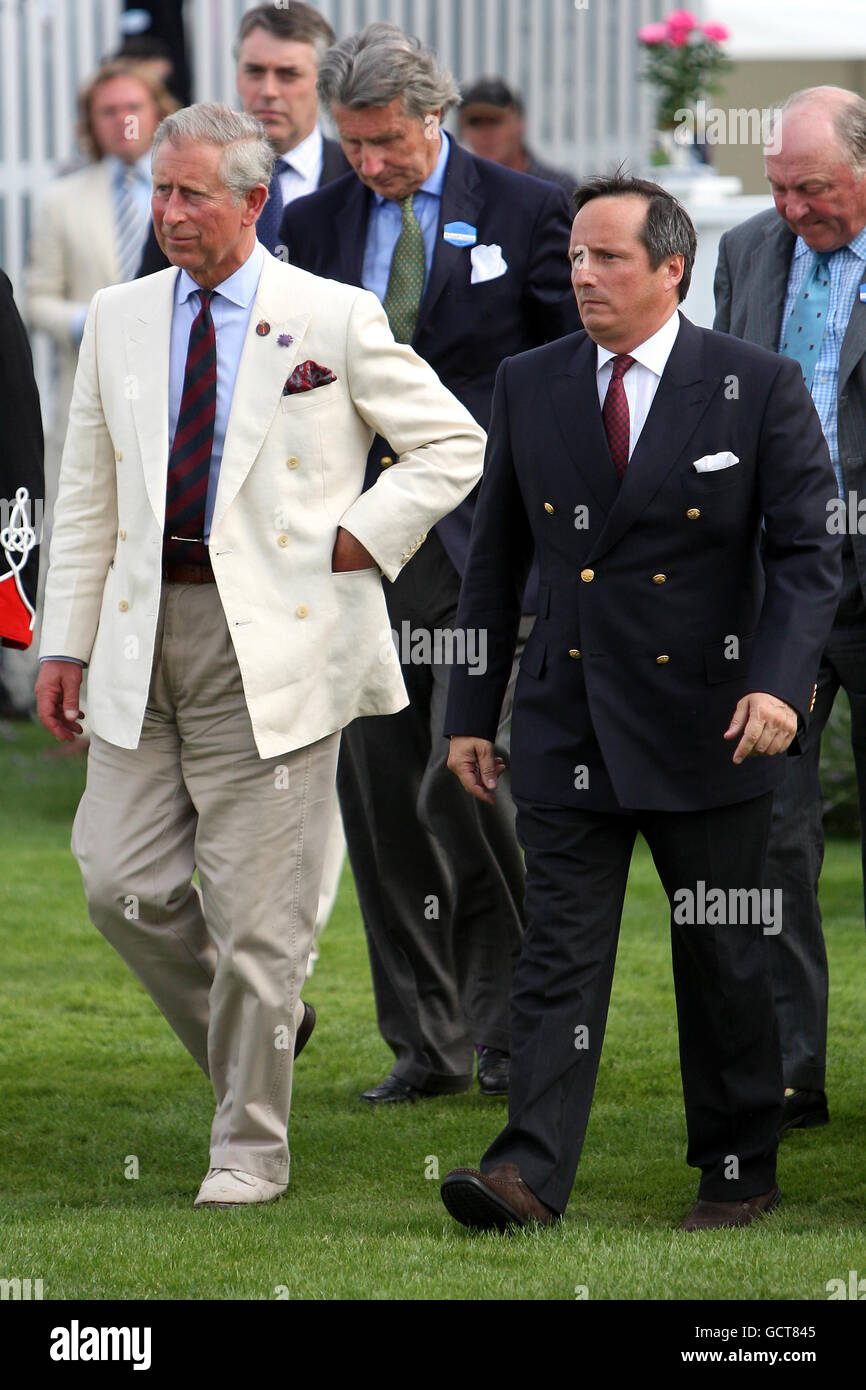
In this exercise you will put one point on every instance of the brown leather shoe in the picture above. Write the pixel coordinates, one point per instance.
(710, 1216)
(494, 1201)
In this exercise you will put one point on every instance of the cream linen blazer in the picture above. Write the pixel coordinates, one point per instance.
(313, 647)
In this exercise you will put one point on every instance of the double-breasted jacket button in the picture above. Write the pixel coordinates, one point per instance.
(386, 461)
(574, 653)
(587, 576)
(549, 508)
(282, 540)
(693, 513)
(292, 462)
(662, 660)
(302, 611)
(123, 605)
(660, 578)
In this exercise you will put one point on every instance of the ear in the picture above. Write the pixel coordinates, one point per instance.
(675, 267)
(255, 201)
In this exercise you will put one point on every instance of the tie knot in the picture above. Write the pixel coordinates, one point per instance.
(407, 206)
(621, 364)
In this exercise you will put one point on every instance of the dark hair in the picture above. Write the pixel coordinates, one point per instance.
(297, 21)
(667, 231)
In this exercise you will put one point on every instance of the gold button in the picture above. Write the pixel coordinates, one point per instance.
(587, 576)
(662, 660)
(292, 462)
(118, 456)
(693, 513)
(122, 535)
(282, 540)
(386, 461)
(123, 605)
(660, 578)
(302, 611)
(549, 508)
(574, 653)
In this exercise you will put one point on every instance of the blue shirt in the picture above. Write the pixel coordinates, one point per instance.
(847, 268)
(231, 307)
(384, 226)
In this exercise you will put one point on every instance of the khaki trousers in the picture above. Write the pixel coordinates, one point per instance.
(224, 965)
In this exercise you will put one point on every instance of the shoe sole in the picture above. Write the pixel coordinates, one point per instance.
(811, 1120)
(492, 1090)
(734, 1225)
(473, 1204)
(230, 1206)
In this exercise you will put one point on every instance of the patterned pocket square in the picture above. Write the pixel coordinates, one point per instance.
(307, 377)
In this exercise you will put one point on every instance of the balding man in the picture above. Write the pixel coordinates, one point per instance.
(792, 280)
(216, 565)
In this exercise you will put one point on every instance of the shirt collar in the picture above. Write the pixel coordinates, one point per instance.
(306, 156)
(653, 353)
(434, 183)
(240, 287)
(118, 167)
(857, 245)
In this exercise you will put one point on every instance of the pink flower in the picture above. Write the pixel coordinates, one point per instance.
(682, 19)
(717, 32)
(653, 33)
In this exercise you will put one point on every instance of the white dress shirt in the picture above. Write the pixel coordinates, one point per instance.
(640, 381)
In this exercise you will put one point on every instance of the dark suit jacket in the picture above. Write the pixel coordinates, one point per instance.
(750, 285)
(463, 330)
(659, 607)
(21, 454)
(334, 166)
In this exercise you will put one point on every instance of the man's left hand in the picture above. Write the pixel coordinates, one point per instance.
(766, 723)
(350, 554)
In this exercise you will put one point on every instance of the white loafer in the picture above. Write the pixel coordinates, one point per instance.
(228, 1187)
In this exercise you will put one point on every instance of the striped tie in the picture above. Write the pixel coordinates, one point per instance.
(406, 280)
(130, 227)
(189, 462)
(617, 422)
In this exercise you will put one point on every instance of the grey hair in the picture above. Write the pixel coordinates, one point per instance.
(848, 117)
(668, 229)
(248, 156)
(382, 63)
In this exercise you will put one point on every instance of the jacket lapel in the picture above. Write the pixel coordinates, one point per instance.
(262, 373)
(770, 265)
(147, 361)
(574, 393)
(460, 202)
(352, 239)
(679, 403)
(854, 342)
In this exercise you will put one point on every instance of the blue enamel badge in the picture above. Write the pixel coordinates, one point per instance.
(460, 234)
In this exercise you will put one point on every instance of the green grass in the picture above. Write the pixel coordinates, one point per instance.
(92, 1075)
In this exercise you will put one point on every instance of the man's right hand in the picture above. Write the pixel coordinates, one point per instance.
(474, 762)
(57, 689)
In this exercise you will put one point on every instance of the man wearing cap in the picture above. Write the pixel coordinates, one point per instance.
(492, 124)
(468, 261)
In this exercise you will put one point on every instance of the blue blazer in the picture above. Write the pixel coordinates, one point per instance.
(661, 601)
(463, 330)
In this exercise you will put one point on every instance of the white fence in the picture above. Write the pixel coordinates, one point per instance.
(574, 60)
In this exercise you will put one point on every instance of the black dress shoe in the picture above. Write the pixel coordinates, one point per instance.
(803, 1110)
(494, 1068)
(494, 1201)
(392, 1091)
(305, 1028)
(714, 1216)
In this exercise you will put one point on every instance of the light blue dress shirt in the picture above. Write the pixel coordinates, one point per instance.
(847, 268)
(231, 307)
(384, 226)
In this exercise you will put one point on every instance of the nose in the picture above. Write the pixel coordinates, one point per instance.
(270, 86)
(372, 161)
(172, 210)
(582, 273)
(795, 206)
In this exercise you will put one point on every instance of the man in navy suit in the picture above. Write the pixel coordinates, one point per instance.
(278, 51)
(469, 261)
(675, 648)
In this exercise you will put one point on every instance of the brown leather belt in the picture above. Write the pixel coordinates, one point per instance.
(188, 574)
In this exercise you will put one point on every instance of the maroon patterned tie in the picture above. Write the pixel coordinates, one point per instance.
(615, 415)
(189, 461)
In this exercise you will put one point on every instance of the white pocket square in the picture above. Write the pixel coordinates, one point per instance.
(711, 463)
(487, 263)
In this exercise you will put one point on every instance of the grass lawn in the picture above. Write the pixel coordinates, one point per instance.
(95, 1086)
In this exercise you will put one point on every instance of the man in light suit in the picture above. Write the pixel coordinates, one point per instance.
(216, 566)
(816, 165)
(278, 51)
(672, 656)
(440, 882)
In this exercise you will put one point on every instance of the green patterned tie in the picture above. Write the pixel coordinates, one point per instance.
(406, 280)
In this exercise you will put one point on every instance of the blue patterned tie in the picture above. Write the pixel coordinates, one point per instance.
(268, 225)
(808, 322)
